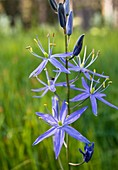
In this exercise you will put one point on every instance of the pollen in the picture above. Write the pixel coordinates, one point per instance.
(52, 44)
(29, 48)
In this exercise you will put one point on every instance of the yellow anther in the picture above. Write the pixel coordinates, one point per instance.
(103, 84)
(35, 40)
(94, 70)
(29, 48)
(110, 82)
(48, 83)
(52, 44)
(66, 103)
(93, 54)
(45, 69)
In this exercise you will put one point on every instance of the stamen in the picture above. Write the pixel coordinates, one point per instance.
(29, 48)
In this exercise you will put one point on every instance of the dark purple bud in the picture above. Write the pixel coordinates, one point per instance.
(78, 46)
(69, 24)
(53, 5)
(67, 7)
(87, 155)
(61, 15)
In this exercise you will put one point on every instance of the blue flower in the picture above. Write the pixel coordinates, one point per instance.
(48, 57)
(51, 84)
(88, 152)
(60, 124)
(94, 94)
(81, 65)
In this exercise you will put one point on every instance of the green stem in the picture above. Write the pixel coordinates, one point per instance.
(68, 97)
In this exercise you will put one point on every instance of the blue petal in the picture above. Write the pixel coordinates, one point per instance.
(62, 55)
(38, 90)
(80, 97)
(106, 102)
(55, 107)
(85, 85)
(63, 112)
(75, 134)
(58, 141)
(47, 134)
(48, 118)
(74, 116)
(97, 74)
(94, 104)
(58, 65)
(39, 69)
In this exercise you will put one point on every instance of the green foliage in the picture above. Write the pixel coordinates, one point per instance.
(19, 126)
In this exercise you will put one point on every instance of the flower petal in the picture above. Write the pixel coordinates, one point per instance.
(38, 90)
(94, 104)
(39, 69)
(74, 116)
(58, 141)
(58, 65)
(48, 118)
(106, 102)
(48, 133)
(62, 55)
(75, 134)
(55, 107)
(80, 97)
(63, 112)
(85, 85)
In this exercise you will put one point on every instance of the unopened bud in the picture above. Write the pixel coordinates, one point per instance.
(53, 5)
(69, 25)
(67, 7)
(61, 15)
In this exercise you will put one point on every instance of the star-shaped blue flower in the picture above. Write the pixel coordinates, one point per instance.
(48, 57)
(51, 84)
(81, 65)
(60, 124)
(94, 94)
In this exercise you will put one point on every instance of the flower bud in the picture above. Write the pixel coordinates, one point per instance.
(69, 25)
(61, 15)
(53, 5)
(67, 7)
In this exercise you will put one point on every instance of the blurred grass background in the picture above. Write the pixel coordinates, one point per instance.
(19, 126)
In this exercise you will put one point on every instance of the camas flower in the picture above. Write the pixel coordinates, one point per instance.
(48, 57)
(81, 66)
(51, 84)
(60, 124)
(94, 94)
(88, 152)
